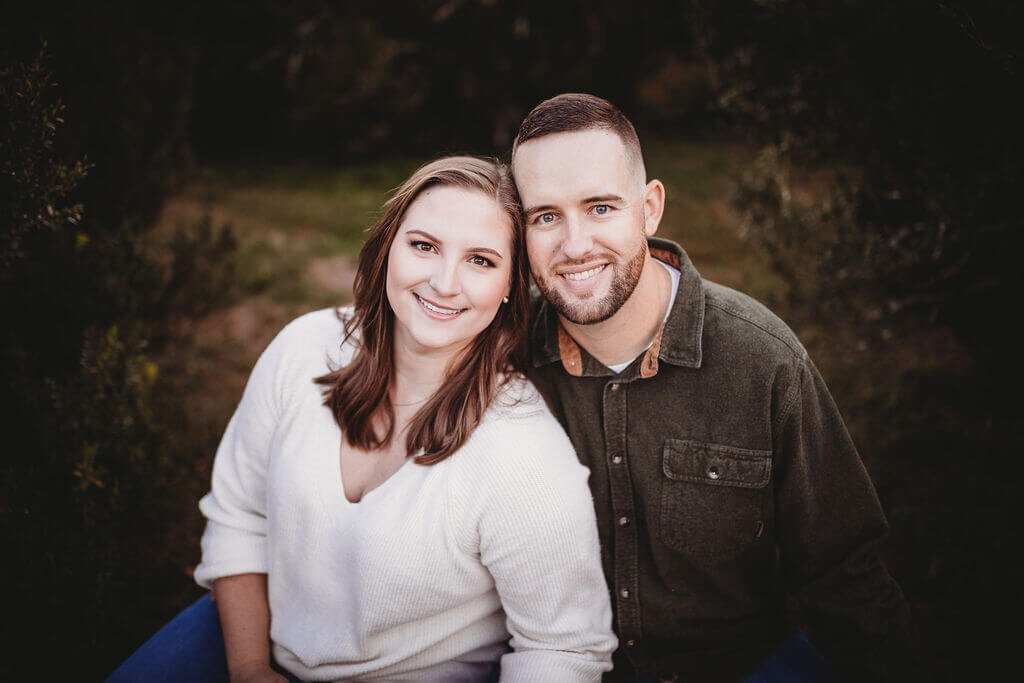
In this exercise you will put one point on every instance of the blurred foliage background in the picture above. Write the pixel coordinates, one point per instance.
(177, 181)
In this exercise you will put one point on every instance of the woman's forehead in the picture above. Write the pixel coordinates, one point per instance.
(457, 214)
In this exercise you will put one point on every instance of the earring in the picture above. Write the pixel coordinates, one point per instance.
(504, 299)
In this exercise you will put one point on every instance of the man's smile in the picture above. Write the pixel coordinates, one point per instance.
(585, 274)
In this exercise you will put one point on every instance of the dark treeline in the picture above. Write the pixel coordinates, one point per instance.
(903, 117)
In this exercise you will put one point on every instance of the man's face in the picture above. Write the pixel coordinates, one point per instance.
(585, 223)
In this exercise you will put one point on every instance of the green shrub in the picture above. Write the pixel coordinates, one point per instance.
(97, 475)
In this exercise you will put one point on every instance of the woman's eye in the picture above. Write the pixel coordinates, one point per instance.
(480, 261)
(423, 246)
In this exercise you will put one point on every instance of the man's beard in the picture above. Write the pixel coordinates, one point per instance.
(589, 311)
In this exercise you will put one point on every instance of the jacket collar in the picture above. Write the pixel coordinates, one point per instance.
(678, 342)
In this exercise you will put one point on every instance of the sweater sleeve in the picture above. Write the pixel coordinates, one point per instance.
(538, 538)
(235, 538)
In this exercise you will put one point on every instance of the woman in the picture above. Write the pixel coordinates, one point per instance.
(405, 513)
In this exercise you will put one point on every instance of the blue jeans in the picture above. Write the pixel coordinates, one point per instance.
(796, 661)
(189, 648)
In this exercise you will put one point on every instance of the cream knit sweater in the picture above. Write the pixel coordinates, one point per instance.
(430, 573)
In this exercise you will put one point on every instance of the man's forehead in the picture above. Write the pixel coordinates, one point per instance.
(584, 163)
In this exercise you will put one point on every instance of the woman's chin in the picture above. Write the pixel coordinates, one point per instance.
(438, 344)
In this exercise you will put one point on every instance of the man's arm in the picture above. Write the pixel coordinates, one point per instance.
(829, 525)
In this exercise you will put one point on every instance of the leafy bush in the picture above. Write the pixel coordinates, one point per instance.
(910, 109)
(95, 453)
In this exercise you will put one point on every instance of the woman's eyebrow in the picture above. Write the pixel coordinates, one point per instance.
(486, 250)
(424, 233)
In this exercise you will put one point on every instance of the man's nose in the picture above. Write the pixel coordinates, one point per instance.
(578, 240)
(445, 279)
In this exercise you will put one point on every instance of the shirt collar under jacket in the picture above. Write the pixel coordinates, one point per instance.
(677, 342)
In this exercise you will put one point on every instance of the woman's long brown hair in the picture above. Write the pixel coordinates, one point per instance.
(358, 394)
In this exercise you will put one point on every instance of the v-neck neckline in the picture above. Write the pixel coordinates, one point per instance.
(378, 487)
(337, 478)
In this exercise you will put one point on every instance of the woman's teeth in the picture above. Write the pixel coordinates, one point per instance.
(586, 274)
(436, 309)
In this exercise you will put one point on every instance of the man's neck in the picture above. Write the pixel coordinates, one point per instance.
(626, 334)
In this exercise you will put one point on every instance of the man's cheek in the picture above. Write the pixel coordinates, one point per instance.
(534, 252)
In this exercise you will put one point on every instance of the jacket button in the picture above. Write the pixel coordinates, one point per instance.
(615, 387)
(624, 592)
(623, 521)
(630, 643)
(616, 459)
(713, 472)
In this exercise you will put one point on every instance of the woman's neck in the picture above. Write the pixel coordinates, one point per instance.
(417, 373)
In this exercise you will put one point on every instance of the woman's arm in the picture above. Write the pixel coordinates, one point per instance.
(538, 538)
(234, 561)
(235, 539)
(245, 622)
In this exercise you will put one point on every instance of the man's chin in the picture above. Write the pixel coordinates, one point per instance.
(579, 313)
(577, 310)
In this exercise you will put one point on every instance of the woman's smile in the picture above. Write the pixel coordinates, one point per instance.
(436, 310)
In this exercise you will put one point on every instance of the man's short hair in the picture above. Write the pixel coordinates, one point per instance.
(570, 112)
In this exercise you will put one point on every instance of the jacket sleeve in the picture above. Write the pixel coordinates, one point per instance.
(235, 538)
(537, 536)
(829, 525)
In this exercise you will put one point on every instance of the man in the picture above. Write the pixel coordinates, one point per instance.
(722, 474)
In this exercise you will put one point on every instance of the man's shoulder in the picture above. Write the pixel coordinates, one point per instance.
(738, 321)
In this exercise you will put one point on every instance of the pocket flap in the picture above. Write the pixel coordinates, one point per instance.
(709, 463)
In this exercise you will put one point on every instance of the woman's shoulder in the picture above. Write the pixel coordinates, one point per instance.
(318, 335)
(517, 399)
(325, 323)
(519, 428)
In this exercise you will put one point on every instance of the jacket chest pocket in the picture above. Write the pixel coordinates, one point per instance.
(712, 498)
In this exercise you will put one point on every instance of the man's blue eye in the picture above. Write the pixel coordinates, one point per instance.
(601, 209)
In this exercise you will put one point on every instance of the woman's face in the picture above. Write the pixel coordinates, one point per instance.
(449, 267)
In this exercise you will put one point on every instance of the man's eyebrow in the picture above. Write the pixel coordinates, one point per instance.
(424, 233)
(536, 209)
(603, 198)
(589, 200)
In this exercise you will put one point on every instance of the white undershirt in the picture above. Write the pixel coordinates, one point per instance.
(674, 273)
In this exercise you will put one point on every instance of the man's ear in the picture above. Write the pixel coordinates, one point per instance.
(654, 206)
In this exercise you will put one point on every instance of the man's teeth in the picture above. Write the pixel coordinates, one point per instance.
(437, 309)
(584, 275)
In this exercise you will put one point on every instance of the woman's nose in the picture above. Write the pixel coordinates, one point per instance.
(445, 280)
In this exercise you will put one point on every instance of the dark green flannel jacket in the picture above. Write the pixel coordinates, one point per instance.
(724, 480)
